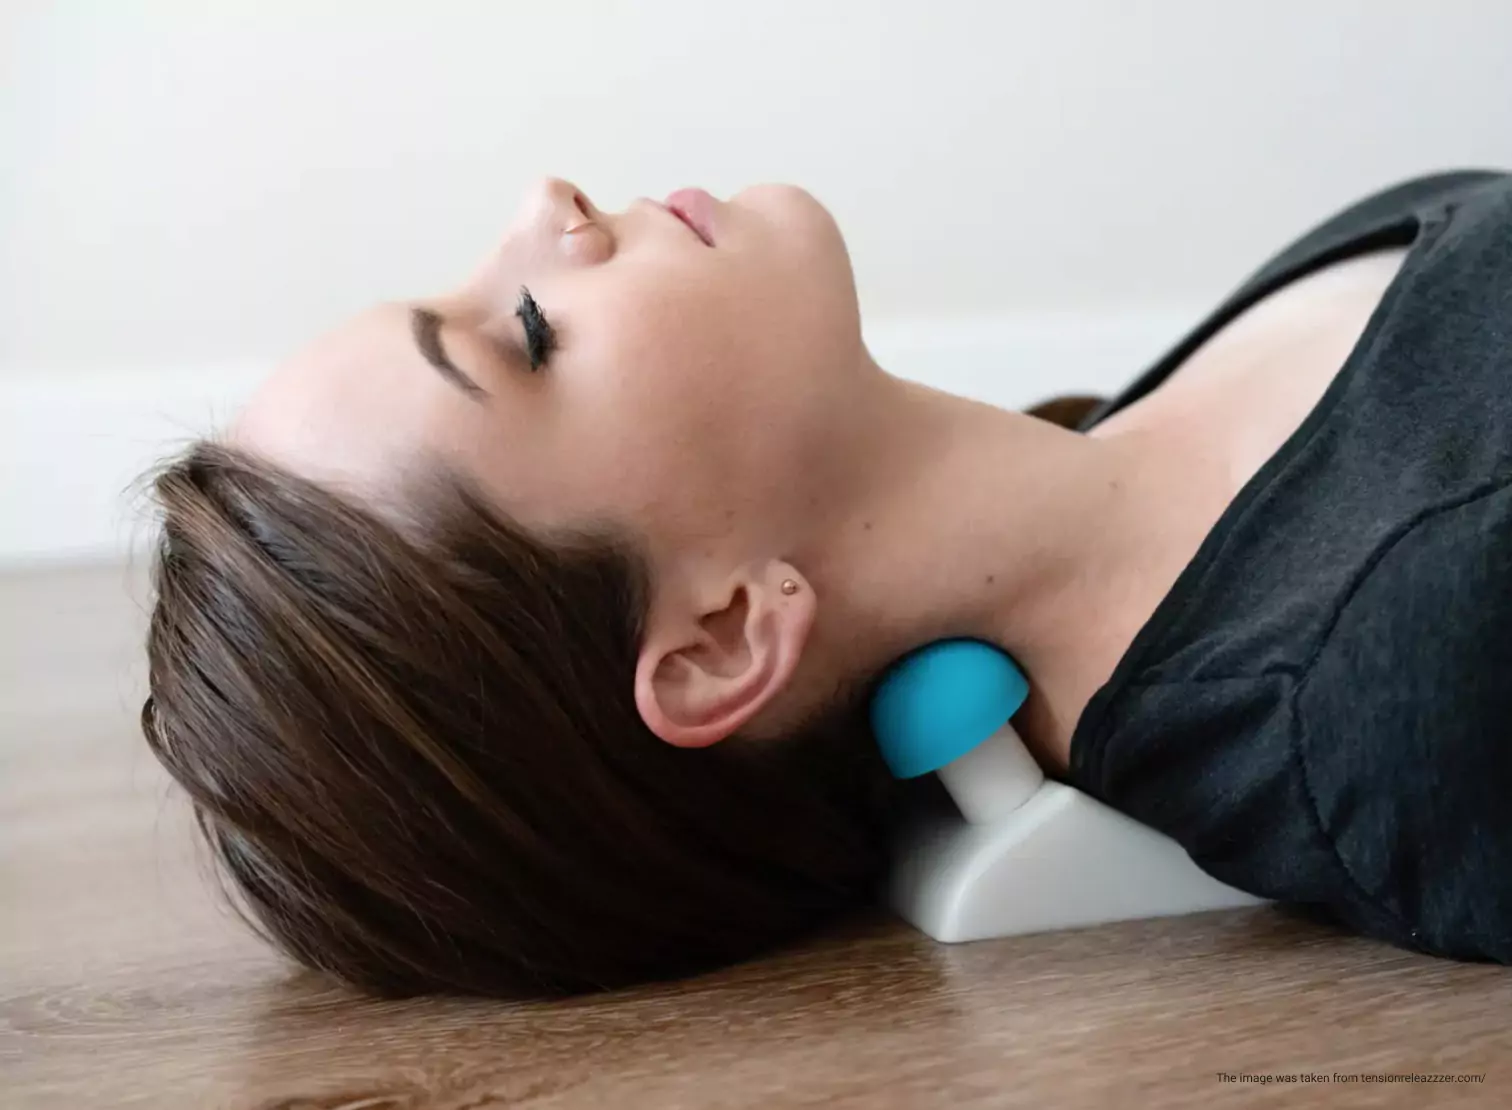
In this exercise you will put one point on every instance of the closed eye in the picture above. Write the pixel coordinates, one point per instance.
(540, 337)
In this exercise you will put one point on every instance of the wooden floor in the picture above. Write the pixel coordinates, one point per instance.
(122, 982)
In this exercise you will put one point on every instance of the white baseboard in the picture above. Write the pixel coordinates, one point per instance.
(72, 446)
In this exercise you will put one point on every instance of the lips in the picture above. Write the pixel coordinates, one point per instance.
(695, 208)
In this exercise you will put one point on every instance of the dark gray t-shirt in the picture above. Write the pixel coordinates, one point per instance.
(1320, 710)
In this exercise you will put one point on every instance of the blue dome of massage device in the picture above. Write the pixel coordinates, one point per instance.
(941, 701)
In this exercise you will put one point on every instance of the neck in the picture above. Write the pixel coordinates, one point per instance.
(950, 518)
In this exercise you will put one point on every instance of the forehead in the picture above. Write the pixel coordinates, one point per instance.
(349, 406)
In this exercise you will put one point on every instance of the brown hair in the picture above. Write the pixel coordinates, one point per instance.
(1068, 410)
(415, 752)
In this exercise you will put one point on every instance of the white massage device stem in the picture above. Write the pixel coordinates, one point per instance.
(1029, 855)
(993, 779)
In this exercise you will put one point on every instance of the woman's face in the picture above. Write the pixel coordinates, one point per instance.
(682, 367)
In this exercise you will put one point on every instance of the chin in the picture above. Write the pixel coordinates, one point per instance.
(806, 232)
(788, 206)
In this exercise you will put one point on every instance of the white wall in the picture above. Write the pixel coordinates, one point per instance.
(188, 190)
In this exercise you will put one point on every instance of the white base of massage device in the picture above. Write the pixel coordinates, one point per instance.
(1029, 855)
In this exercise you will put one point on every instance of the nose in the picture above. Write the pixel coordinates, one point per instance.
(556, 203)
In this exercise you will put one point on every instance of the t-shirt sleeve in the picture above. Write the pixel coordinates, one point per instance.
(1373, 781)
(1404, 731)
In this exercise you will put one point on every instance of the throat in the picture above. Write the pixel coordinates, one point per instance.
(1130, 529)
(971, 521)
(1191, 448)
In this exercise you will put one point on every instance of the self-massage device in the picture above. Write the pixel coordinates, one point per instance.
(1024, 854)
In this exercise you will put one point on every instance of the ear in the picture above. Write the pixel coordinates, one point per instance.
(708, 666)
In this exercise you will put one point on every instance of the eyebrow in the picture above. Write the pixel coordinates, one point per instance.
(425, 326)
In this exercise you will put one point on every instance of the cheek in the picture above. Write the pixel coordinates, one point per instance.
(679, 345)
(667, 411)
(685, 382)
(667, 399)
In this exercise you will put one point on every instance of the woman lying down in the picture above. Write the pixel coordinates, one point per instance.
(518, 640)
